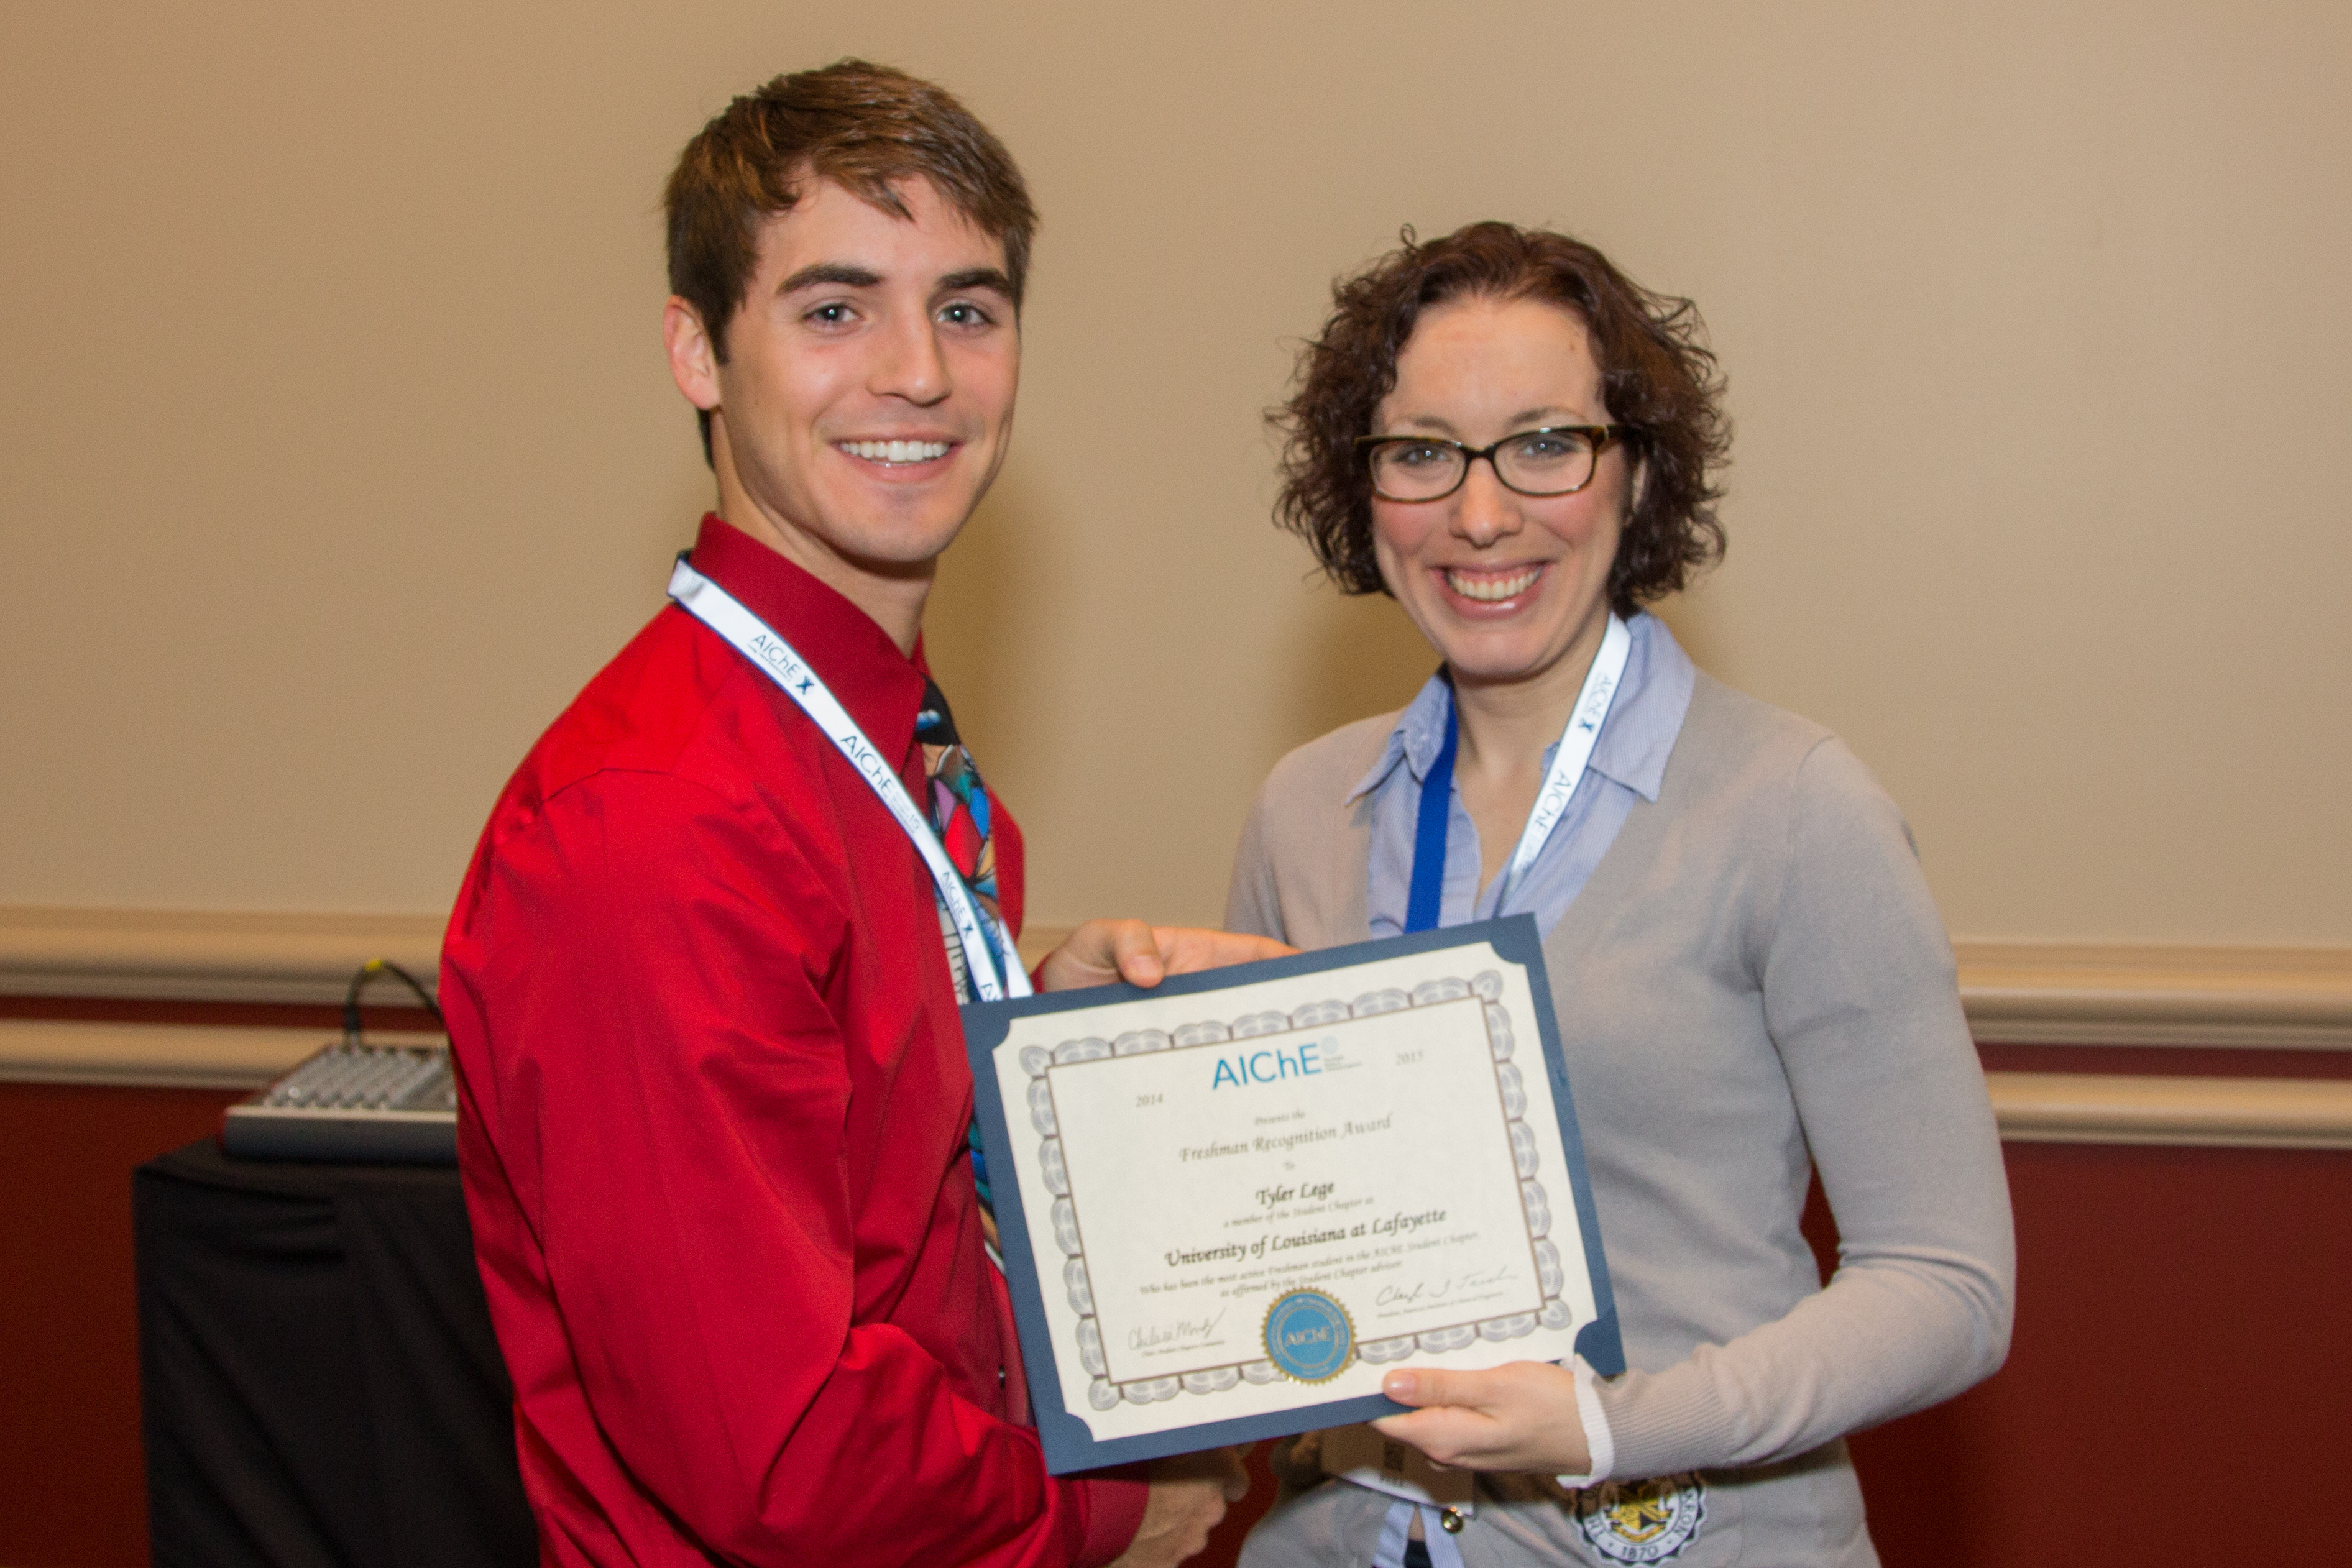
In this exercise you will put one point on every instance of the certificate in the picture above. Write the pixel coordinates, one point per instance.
(1229, 1204)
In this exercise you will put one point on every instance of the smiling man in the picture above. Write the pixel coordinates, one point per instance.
(702, 977)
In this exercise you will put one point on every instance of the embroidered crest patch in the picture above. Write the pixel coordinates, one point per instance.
(1643, 1521)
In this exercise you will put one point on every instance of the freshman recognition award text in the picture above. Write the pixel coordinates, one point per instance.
(1236, 1200)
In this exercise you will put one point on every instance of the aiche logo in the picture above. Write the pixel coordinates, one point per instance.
(1247, 1067)
(1643, 1521)
(1308, 1336)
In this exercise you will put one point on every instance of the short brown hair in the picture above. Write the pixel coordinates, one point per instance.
(864, 127)
(1657, 375)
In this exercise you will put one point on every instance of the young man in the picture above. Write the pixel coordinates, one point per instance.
(702, 982)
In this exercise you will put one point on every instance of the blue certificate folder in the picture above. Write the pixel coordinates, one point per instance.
(1069, 1439)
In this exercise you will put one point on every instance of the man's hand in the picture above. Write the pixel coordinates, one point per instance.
(1102, 951)
(1189, 1494)
(1522, 1416)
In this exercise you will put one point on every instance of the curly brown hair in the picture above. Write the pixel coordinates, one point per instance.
(1657, 375)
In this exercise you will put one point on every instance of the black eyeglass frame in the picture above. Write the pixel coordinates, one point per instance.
(1602, 437)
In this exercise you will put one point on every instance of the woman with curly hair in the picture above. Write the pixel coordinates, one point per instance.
(1520, 445)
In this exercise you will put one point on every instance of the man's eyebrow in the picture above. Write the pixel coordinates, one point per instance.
(839, 273)
(977, 278)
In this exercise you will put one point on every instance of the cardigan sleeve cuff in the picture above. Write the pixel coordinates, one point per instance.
(1600, 1442)
(1663, 1422)
(1115, 1501)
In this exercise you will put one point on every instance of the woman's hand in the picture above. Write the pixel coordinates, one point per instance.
(1522, 1416)
(1102, 951)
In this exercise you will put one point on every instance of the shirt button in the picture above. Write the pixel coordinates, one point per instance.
(1451, 1521)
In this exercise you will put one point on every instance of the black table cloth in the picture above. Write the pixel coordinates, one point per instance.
(320, 1380)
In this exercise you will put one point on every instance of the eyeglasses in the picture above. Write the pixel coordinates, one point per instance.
(1557, 460)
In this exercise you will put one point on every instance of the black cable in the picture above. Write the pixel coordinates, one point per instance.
(369, 971)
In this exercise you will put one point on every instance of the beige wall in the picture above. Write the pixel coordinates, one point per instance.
(336, 449)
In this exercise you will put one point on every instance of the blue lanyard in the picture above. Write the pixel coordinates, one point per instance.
(1567, 767)
(1429, 831)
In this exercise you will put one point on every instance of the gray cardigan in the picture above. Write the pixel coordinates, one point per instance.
(1755, 984)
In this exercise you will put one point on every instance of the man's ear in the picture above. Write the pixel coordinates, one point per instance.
(693, 360)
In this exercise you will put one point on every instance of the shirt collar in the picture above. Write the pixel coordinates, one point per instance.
(1634, 741)
(1415, 740)
(881, 688)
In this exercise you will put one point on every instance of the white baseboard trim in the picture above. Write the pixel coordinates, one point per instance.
(161, 1056)
(2235, 1112)
(2019, 993)
(2079, 993)
(2025, 993)
(2031, 1107)
(187, 955)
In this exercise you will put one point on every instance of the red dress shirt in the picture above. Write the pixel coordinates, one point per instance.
(714, 1101)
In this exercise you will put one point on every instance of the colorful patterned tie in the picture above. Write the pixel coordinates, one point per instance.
(958, 805)
(959, 801)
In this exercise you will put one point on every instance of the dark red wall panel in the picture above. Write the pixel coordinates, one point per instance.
(73, 1490)
(2179, 1386)
(2179, 1375)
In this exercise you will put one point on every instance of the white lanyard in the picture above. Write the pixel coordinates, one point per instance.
(723, 613)
(1576, 743)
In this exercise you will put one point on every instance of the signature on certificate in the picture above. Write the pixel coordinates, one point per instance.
(1182, 1332)
(1429, 1292)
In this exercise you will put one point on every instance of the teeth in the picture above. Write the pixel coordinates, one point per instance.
(895, 451)
(1492, 590)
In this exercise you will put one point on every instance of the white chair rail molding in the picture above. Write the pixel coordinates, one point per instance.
(2014, 993)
